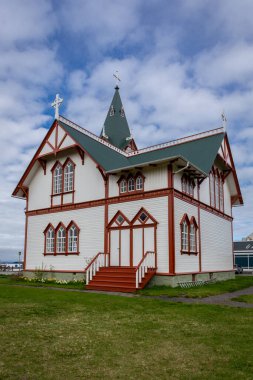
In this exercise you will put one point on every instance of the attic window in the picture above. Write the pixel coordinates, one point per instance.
(143, 216)
(120, 219)
(112, 111)
(122, 112)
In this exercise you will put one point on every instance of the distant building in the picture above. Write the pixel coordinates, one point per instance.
(248, 238)
(8, 266)
(243, 254)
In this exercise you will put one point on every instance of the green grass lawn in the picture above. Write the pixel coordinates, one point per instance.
(50, 334)
(18, 280)
(240, 282)
(245, 298)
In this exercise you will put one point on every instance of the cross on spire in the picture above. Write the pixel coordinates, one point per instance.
(116, 76)
(56, 104)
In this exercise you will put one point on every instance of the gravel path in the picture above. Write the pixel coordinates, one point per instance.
(222, 299)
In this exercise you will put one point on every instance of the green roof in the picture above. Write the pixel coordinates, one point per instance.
(200, 152)
(115, 126)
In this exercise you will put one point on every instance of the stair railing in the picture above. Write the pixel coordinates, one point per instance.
(98, 261)
(148, 262)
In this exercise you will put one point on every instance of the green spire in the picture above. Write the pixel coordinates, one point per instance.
(116, 129)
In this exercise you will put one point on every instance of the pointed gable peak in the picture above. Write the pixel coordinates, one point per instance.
(116, 129)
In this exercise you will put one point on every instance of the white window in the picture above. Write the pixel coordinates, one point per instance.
(50, 240)
(112, 111)
(131, 184)
(61, 240)
(217, 192)
(193, 242)
(221, 196)
(123, 186)
(184, 185)
(139, 183)
(58, 179)
(68, 177)
(184, 236)
(72, 239)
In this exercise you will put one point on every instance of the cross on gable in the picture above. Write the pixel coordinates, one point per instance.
(56, 104)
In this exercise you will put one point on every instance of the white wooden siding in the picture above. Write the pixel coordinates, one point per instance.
(158, 208)
(184, 262)
(204, 192)
(216, 242)
(155, 177)
(113, 185)
(91, 224)
(89, 184)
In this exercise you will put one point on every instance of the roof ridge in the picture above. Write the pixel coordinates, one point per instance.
(92, 135)
(178, 141)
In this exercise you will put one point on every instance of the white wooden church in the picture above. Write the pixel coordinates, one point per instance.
(121, 216)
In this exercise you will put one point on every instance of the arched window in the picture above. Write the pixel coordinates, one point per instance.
(131, 184)
(139, 183)
(187, 185)
(212, 199)
(69, 176)
(57, 179)
(49, 240)
(123, 186)
(221, 195)
(193, 235)
(72, 239)
(184, 236)
(61, 240)
(216, 190)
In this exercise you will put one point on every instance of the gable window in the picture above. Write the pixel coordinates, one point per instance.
(72, 238)
(123, 186)
(139, 183)
(216, 190)
(69, 176)
(188, 235)
(61, 240)
(131, 184)
(57, 179)
(187, 185)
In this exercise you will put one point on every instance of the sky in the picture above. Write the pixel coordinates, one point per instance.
(181, 64)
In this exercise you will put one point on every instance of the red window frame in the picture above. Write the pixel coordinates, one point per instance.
(66, 252)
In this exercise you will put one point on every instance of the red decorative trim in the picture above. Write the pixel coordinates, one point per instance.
(26, 231)
(128, 198)
(62, 140)
(199, 230)
(43, 164)
(114, 220)
(171, 220)
(106, 213)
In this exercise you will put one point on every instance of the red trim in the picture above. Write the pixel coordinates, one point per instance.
(199, 231)
(26, 231)
(106, 213)
(189, 223)
(239, 194)
(171, 220)
(62, 140)
(128, 198)
(43, 164)
(149, 216)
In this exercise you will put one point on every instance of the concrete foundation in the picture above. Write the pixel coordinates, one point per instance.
(174, 280)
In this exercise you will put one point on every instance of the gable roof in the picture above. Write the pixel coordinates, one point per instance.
(116, 127)
(200, 150)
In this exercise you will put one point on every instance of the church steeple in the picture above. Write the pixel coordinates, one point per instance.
(116, 129)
